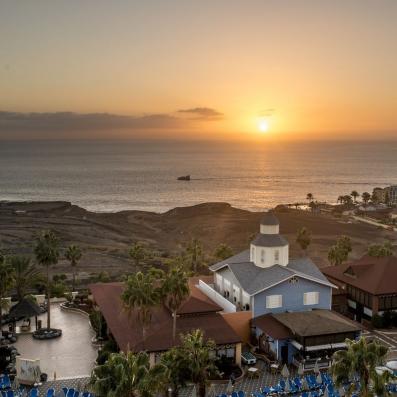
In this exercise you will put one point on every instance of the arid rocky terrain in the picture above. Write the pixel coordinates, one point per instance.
(106, 237)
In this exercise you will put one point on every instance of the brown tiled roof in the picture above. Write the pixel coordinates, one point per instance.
(308, 323)
(127, 330)
(240, 322)
(268, 324)
(374, 275)
(316, 322)
(198, 302)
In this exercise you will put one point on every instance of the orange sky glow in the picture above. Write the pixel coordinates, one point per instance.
(199, 70)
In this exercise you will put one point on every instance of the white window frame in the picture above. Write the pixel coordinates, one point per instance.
(274, 301)
(311, 298)
(219, 280)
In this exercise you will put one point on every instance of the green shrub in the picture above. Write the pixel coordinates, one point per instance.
(58, 290)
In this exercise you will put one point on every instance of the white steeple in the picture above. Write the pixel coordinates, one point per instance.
(269, 248)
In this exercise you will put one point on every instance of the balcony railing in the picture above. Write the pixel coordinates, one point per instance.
(228, 307)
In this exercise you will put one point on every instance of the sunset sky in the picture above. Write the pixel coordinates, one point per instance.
(219, 69)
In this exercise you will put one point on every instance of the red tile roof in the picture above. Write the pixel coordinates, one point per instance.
(198, 312)
(374, 275)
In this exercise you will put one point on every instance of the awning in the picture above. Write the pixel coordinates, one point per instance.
(318, 347)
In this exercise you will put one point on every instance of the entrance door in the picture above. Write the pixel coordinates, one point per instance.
(284, 354)
(359, 312)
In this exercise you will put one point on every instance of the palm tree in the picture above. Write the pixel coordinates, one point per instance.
(175, 290)
(310, 197)
(73, 255)
(123, 374)
(366, 197)
(141, 294)
(360, 359)
(46, 251)
(222, 252)
(335, 255)
(303, 238)
(340, 199)
(200, 362)
(7, 280)
(138, 253)
(195, 254)
(354, 194)
(339, 252)
(172, 371)
(26, 274)
(347, 199)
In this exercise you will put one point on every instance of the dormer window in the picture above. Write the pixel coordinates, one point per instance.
(350, 272)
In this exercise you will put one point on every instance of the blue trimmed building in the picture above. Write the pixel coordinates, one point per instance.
(290, 299)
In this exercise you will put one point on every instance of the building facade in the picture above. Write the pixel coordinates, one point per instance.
(369, 283)
(278, 290)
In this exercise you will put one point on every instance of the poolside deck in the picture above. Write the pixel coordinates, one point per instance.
(71, 355)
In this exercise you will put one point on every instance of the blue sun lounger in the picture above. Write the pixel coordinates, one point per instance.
(34, 393)
(50, 393)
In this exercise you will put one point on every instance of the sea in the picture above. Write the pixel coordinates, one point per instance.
(109, 176)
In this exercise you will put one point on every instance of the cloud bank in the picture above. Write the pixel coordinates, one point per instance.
(57, 125)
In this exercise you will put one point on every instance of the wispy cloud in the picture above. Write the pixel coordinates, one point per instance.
(202, 113)
(267, 112)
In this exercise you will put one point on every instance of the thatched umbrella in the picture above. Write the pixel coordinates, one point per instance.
(26, 308)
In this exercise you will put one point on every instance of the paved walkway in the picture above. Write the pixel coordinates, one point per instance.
(247, 385)
(386, 338)
(70, 355)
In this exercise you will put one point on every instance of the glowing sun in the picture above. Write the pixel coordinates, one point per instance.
(263, 125)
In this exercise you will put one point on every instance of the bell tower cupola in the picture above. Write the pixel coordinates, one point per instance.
(269, 248)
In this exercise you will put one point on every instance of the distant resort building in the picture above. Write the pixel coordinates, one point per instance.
(369, 284)
(259, 297)
(387, 195)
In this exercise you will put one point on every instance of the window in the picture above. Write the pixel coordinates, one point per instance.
(218, 279)
(311, 298)
(226, 285)
(274, 301)
(276, 256)
(263, 256)
(246, 301)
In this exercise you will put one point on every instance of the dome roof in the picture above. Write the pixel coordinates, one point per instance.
(269, 219)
